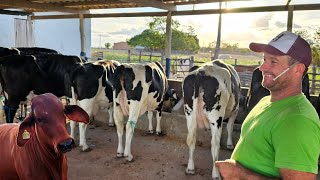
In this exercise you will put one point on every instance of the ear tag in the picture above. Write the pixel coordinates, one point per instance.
(25, 135)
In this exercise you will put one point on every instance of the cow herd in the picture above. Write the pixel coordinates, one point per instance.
(211, 94)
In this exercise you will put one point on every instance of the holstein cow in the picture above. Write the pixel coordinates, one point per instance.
(211, 94)
(23, 76)
(93, 90)
(137, 88)
(35, 148)
(257, 92)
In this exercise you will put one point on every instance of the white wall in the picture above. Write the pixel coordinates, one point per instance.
(7, 30)
(62, 35)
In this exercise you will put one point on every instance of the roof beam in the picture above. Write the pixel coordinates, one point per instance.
(154, 3)
(11, 12)
(31, 5)
(188, 12)
(199, 1)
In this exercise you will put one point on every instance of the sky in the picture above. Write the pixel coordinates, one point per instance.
(241, 28)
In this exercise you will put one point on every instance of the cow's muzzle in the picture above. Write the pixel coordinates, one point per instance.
(66, 145)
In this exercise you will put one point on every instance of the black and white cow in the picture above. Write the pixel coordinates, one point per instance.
(93, 89)
(257, 92)
(211, 95)
(137, 88)
(24, 76)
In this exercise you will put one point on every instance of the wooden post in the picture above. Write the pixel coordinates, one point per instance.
(313, 83)
(168, 43)
(129, 52)
(191, 64)
(140, 56)
(150, 56)
(82, 35)
(290, 18)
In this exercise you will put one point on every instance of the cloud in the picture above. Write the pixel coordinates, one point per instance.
(262, 22)
(128, 31)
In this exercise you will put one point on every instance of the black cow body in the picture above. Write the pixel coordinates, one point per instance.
(24, 76)
(257, 92)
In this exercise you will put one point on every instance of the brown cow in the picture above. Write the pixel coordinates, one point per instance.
(35, 148)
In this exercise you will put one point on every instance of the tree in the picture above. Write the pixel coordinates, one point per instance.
(107, 45)
(154, 36)
(314, 41)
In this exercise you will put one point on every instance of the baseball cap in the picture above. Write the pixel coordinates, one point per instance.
(286, 43)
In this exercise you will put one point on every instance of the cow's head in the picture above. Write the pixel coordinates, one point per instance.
(46, 123)
(170, 100)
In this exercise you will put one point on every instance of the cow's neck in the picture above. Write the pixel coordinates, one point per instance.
(52, 162)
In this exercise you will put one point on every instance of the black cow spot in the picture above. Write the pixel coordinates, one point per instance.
(218, 107)
(219, 121)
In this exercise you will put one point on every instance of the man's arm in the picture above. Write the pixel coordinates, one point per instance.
(231, 170)
(293, 175)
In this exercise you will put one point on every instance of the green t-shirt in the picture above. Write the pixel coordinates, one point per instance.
(281, 134)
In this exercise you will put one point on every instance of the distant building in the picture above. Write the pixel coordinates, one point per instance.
(121, 46)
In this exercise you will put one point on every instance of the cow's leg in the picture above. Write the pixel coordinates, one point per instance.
(191, 138)
(150, 115)
(72, 128)
(230, 128)
(83, 138)
(131, 124)
(91, 108)
(118, 119)
(216, 122)
(2, 117)
(110, 111)
(158, 129)
(10, 109)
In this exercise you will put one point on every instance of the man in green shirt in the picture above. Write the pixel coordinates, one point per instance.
(280, 137)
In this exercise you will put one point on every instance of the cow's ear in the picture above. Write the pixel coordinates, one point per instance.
(76, 113)
(26, 130)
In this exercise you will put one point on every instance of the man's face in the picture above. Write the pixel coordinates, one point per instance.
(273, 66)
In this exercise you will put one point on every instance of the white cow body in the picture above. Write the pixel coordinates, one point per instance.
(138, 88)
(211, 95)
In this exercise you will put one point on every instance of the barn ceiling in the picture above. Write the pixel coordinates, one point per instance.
(74, 6)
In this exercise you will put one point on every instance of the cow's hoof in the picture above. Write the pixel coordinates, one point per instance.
(111, 125)
(190, 172)
(86, 150)
(129, 158)
(150, 132)
(160, 133)
(231, 147)
(119, 155)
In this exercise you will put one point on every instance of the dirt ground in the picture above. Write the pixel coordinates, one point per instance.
(155, 157)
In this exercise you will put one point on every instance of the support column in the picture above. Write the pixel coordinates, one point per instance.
(168, 44)
(82, 36)
(290, 18)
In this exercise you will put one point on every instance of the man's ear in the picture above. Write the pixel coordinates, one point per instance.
(26, 130)
(299, 68)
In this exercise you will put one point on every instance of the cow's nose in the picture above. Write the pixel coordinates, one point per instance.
(66, 145)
